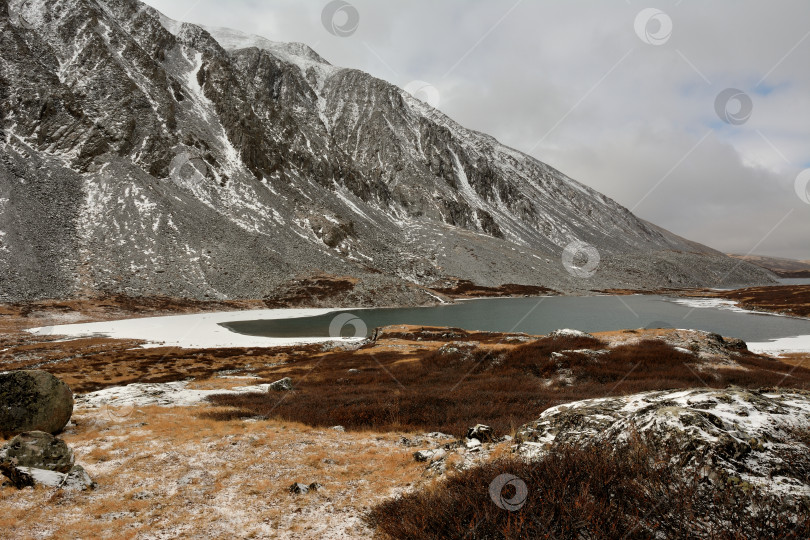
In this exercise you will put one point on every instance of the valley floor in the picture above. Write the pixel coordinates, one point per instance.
(171, 459)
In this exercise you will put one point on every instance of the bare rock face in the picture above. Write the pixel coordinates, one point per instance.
(729, 436)
(33, 400)
(481, 433)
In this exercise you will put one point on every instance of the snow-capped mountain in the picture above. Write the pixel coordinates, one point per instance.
(148, 156)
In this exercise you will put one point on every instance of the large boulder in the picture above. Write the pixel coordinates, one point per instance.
(39, 459)
(38, 450)
(33, 401)
(75, 480)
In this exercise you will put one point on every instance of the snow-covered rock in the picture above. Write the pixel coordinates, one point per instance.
(77, 479)
(736, 435)
(569, 332)
(281, 385)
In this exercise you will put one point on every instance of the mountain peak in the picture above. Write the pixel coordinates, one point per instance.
(147, 156)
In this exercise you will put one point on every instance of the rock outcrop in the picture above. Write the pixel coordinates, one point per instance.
(281, 385)
(38, 450)
(732, 435)
(33, 400)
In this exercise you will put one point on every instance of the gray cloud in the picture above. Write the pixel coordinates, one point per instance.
(572, 84)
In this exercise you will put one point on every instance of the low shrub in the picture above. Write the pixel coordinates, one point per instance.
(633, 491)
(451, 390)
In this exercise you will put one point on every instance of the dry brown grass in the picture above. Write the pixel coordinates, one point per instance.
(786, 299)
(467, 289)
(789, 299)
(502, 386)
(172, 472)
(637, 490)
(185, 472)
(796, 359)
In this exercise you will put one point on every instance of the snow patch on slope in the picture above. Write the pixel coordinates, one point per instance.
(465, 188)
(298, 54)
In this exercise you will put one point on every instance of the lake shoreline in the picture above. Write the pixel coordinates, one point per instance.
(158, 328)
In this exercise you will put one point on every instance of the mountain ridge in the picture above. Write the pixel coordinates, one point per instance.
(142, 157)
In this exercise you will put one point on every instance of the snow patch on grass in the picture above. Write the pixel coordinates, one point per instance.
(173, 394)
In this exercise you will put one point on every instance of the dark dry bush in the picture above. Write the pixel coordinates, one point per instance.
(309, 291)
(635, 491)
(452, 391)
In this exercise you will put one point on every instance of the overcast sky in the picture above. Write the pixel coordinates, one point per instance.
(621, 99)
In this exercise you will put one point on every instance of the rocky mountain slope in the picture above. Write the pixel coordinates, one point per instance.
(145, 156)
(788, 268)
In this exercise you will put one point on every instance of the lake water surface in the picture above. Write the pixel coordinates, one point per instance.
(543, 315)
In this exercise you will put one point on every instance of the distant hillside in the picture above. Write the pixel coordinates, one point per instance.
(789, 268)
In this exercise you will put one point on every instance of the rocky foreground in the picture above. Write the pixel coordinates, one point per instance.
(309, 442)
(743, 437)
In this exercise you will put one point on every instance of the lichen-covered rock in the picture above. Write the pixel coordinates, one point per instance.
(33, 400)
(38, 450)
(39, 459)
(755, 437)
(706, 345)
(425, 455)
(299, 489)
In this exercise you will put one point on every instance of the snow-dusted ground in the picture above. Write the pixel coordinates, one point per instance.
(196, 331)
(173, 394)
